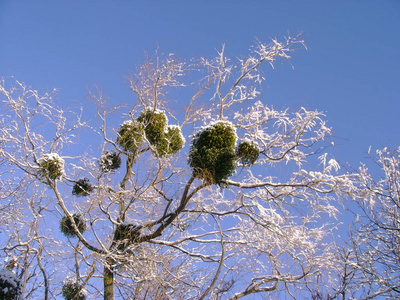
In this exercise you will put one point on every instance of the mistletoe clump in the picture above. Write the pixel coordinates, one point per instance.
(212, 154)
(153, 125)
(51, 165)
(82, 187)
(166, 139)
(110, 161)
(72, 290)
(247, 152)
(10, 285)
(67, 228)
(175, 139)
(171, 142)
(130, 136)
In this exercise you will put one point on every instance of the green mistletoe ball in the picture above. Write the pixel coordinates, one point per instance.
(110, 161)
(154, 123)
(212, 154)
(152, 126)
(72, 290)
(51, 165)
(171, 142)
(67, 228)
(130, 136)
(82, 187)
(247, 152)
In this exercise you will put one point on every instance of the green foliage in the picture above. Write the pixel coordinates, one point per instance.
(66, 225)
(10, 285)
(171, 142)
(247, 152)
(212, 155)
(82, 187)
(110, 161)
(130, 136)
(52, 165)
(72, 290)
(165, 139)
(153, 124)
(175, 139)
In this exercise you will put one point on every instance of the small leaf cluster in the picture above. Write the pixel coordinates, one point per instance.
(51, 165)
(247, 152)
(153, 126)
(171, 142)
(82, 187)
(154, 123)
(110, 161)
(66, 225)
(10, 285)
(130, 136)
(212, 154)
(72, 290)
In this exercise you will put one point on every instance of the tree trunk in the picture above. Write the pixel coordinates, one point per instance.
(108, 279)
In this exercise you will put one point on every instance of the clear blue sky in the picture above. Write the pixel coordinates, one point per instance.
(350, 71)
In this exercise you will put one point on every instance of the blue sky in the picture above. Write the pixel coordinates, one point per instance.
(350, 70)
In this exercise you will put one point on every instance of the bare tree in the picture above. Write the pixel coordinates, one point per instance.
(368, 263)
(217, 196)
(375, 235)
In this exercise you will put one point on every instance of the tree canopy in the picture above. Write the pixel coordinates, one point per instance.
(221, 198)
